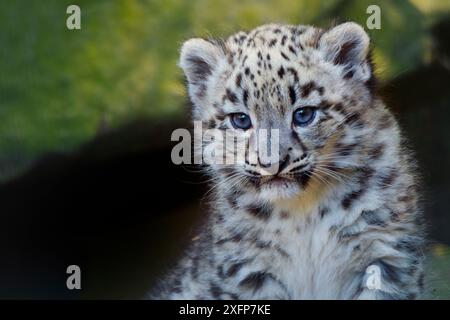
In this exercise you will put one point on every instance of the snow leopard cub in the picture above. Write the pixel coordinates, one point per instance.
(339, 218)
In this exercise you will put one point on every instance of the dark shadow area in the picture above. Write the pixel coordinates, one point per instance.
(118, 208)
(421, 101)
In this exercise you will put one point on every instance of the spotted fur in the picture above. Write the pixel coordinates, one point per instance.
(349, 198)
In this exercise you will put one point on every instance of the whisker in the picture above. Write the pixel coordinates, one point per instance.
(328, 173)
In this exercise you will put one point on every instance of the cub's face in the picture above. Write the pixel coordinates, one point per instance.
(289, 102)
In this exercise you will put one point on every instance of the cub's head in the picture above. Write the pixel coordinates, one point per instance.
(309, 89)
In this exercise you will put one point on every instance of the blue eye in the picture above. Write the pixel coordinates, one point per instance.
(304, 116)
(241, 121)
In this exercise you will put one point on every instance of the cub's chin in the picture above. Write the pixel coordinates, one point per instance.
(278, 188)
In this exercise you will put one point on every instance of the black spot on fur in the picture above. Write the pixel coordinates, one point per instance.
(354, 120)
(338, 107)
(260, 211)
(215, 290)
(220, 272)
(263, 244)
(303, 178)
(235, 267)
(281, 251)
(239, 80)
(284, 214)
(385, 180)
(220, 115)
(212, 124)
(349, 198)
(232, 200)
(291, 49)
(254, 281)
(285, 56)
(364, 178)
(294, 73)
(348, 75)
(376, 152)
(234, 238)
(345, 149)
(281, 72)
(201, 91)
(372, 218)
(292, 95)
(323, 212)
(245, 97)
(386, 121)
(231, 96)
(309, 87)
(409, 245)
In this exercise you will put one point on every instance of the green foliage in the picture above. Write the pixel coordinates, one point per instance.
(438, 272)
(58, 87)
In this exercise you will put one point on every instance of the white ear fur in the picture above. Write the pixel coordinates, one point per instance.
(200, 61)
(199, 58)
(346, 44)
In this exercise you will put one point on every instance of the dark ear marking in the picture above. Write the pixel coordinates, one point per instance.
(200, 60)
(344, 54)
(200, 70)
(348, 45)
(199, 57)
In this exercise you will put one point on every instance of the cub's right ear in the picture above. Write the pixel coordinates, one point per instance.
(200, 60)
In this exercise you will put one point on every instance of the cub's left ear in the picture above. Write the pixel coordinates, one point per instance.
(348, 45)
(201, 61)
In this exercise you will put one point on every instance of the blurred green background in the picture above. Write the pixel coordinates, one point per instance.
(60, 88)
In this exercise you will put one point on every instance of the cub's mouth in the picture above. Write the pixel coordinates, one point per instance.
(285, 185)
(277, 181)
